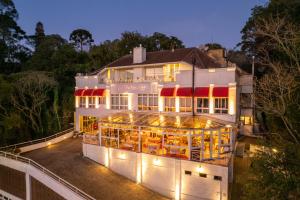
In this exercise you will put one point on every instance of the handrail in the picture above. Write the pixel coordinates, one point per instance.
(46, 172)
(45, 139)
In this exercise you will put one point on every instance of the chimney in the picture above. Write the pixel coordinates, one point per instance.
(139, 54)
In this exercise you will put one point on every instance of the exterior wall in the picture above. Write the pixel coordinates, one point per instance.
(164, 175)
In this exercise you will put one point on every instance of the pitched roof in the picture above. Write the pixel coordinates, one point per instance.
(202, 60)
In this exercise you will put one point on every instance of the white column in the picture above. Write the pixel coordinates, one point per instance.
(107, 100)
(219, 143)
(211, 99)
(86, 102)
(28, 186)
(77, 102)
(177, 104)
(202, 145)
(232, 99)
(139, 168)
(96, 101)
(140, 140)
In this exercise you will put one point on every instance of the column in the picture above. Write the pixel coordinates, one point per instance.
(139, 167)
(232, 99)
(96, 101)
(87, 102)
(140, 140)
(107, 100)
(211, 99)
(77, 102)
(219, 143)
(28, 186)
(202, 145)
(177, 104)
(190, 144)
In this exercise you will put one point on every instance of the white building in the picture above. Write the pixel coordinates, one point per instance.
(166, 119)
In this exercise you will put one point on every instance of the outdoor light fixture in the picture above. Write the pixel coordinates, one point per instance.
(122, 156)
(156, 162)
(200, 169)
(49, 143)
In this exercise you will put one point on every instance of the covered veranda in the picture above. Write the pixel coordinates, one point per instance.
(197, 138)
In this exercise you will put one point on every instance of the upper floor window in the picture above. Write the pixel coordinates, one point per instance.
(82, 102)
(170, 104)
(119, 101)
(202, 105)
(102, 100)
(148, 102)
(92, 102)
(185, 104)
(221, 105)
(154, 73)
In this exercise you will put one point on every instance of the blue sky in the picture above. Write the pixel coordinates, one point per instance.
(195, 22)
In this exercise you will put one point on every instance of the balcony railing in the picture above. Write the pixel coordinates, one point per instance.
(137, 80)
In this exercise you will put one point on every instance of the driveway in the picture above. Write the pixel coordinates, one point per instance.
(65, 159)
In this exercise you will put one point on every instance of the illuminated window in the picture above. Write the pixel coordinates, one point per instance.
(154, 73)
(89, 124)
(185, 104)
(148, 102)
(202, 105)
(102, 100)
(221, 105)
(170, 104)
(119, 101)
(246, 120)
(82, 102)
(92, 102)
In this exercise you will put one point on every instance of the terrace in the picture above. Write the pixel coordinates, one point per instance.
(196, 138)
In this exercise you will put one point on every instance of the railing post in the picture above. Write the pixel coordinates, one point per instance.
(28, 186)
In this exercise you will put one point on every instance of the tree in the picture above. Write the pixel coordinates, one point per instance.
(80, 38)
(11, 51)
(214, 46)
(31, 93)
(275, 171)
(39, 33)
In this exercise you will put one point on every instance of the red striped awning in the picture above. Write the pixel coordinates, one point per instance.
(88, 92)
(98, 92)
(167, 92)
(78, 92)
(201, 92)
(220, 92)
(184, 92)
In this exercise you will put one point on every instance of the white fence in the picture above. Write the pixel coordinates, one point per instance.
(45, 176)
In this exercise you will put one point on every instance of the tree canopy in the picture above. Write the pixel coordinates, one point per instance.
(81, 38)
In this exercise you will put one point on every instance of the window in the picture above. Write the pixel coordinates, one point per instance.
(82, 102)
(185, 104)
(148, 102)
(221, 105)
(154, 73)
(246, 120)
(202, 105)
(119, 101)
(170, 104)
(92, 102)
(102, 100)
(203, 175)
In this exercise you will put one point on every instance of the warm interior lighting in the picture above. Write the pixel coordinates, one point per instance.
(208, 123)
(200, 169)
(156, 162)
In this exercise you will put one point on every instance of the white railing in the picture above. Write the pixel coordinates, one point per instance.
(47, 173)
(13, 147)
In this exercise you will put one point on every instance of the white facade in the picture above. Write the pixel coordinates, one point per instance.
(175, 178)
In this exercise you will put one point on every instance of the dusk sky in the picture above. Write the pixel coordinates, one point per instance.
(195, 22)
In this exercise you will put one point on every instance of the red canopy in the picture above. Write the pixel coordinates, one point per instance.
(88, 92)
(201, 92)
(167, 92)
(220, 92)
(79, 92)
(98, 92)
(184, 92)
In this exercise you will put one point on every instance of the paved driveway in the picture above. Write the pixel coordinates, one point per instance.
(65, 159)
